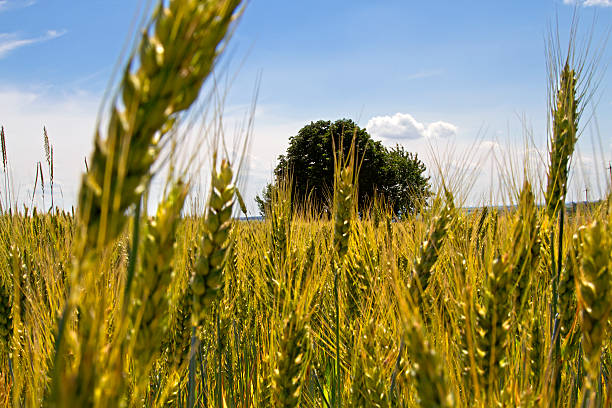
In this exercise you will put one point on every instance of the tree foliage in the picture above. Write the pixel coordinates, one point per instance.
(394, 173)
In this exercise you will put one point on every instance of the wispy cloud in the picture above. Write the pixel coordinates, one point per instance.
(590, 3)
(11, 4)
(405, 126)
(12, 41)
(424, 74)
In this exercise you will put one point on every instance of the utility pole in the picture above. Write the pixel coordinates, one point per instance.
(586, 194)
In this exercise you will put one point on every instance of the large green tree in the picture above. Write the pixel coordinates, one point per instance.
(393, 173)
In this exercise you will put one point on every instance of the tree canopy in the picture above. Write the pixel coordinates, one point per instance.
(393, 173)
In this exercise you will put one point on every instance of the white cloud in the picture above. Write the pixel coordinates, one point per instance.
(12, 41)
(405, 126)
(441, 130)
(589, 3)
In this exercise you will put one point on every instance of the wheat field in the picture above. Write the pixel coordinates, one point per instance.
(106, 306)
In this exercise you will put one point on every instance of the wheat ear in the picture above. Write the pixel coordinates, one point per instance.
(567, 288)
(427, 370)
(208, 275)
(493, 323)
(429, 250)
(525, 248)
(6, 318)
(149, 310)
(369, 385)
(175, 56)
(594, 291)
(292, 360)
(565, 116)
(343, 210)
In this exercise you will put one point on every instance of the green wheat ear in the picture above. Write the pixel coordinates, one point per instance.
(565, 115)
(343, 210)
(535, 350)
(493, 323)
(280, 214)
(149, 310)
(177, 341)
(525, 253)
(292, 359)
(175, 56)
(208, 277)
(6, 319)
(427, 370)
(430, 249)
(567, 288)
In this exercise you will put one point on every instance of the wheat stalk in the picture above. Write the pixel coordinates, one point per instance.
(344, 177)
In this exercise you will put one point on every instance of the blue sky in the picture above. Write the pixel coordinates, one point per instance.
(445, 76)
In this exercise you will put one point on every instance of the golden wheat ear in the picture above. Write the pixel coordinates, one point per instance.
(369, 385)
